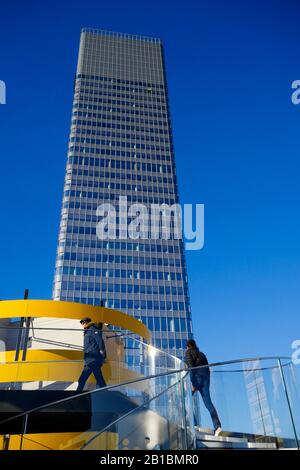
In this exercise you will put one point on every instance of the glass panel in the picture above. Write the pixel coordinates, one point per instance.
(291, 377)
(257, 402)
(251, 403)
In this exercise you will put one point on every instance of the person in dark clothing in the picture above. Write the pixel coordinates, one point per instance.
(94, 354)
(200, 379)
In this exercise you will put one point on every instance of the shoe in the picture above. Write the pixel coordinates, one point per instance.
(218, 431)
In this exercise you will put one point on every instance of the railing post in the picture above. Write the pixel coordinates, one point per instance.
(288, 402)
(24, 430)
(20, 340)
(184, 421)
(26, 337)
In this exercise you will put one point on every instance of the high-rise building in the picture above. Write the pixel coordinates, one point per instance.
(121, 145)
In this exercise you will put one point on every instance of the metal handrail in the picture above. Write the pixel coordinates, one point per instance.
(130, 382)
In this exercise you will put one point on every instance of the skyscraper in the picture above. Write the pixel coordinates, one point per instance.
(121, 145)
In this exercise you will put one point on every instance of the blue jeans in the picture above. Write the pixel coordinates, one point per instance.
(91, 368)
(201, 383)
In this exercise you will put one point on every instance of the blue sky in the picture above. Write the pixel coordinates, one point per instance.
(230, 66)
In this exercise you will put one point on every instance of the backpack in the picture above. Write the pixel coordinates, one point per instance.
(200, 359)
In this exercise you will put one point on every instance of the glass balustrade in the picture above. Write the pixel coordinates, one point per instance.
(257, 401)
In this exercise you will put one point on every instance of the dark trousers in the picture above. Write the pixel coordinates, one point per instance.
(201, 383)
(91, 368)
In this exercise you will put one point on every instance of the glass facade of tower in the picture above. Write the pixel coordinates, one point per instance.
(121, 145)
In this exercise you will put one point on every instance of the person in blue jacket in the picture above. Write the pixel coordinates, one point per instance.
(94, 354)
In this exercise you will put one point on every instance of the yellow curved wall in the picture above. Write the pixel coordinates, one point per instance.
(71, 310)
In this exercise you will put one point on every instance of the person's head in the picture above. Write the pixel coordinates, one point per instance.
(191, 343)
(85, 321)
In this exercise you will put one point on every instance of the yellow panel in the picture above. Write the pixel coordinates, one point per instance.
(71, 310)
(62, 441)
(49, 365)
(41, 355)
